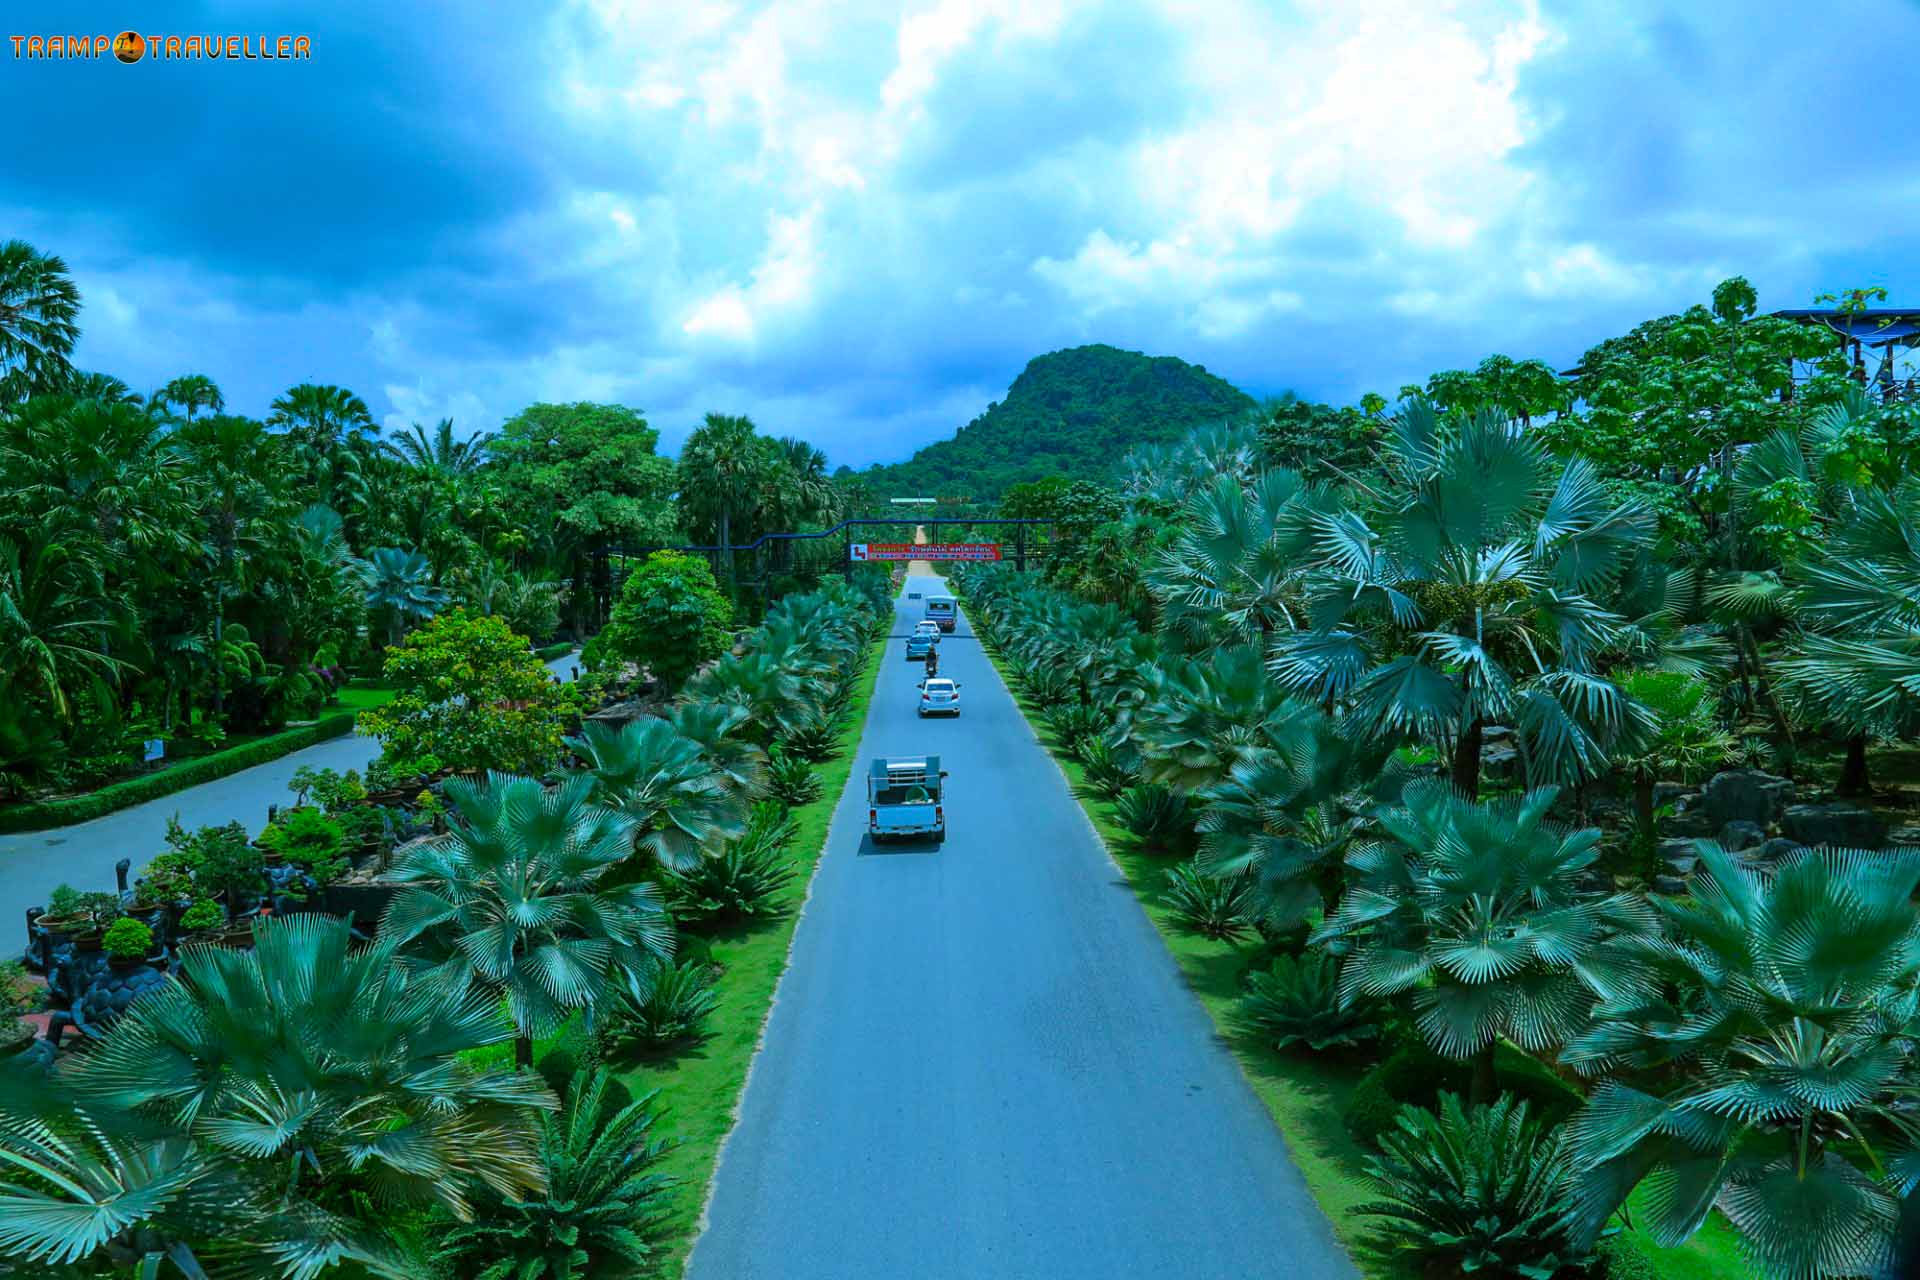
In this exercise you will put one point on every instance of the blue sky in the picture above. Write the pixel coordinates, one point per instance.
(858, 222)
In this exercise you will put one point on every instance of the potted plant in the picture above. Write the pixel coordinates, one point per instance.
(19, 995)
(303, 837)
(232, 869)
(128, 943)
(203, 917)
(64, 914)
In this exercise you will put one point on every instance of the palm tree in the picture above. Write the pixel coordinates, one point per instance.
(605, 1199)
(1480, 582)
(191, 392)
(54, 617)
(678, 805)
(1287, 815)
(1202, 717)
(814, 492)
(724, 465)
(736, 762)
(773, 696)
(39, 307)
(100, 386)
(1479, 913)
(318, 416)
(1238, 557)
(235, 464)
(1858, 592)
(1776, 1020)
(440, 452)
(515, 900)
(400, 586)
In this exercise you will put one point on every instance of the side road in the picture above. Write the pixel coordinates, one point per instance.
(32, 863)
(982, 1062)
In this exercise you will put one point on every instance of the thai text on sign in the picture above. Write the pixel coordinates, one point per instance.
(928, 551)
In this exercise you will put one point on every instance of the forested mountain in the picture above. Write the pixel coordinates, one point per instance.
(1070, 413)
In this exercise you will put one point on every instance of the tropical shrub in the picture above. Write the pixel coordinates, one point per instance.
(1480, 1191)
(1076, 725)
(671, 618)
(470, 694)
(813, 737)
(676, 1005)
(202, 916)
(1211, 906)
(603, 1203)
(1297, 1002)
(677, 804)
(304, 835)
(1109, 771)
(744, 881)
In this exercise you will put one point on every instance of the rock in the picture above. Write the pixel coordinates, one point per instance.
(1774, 850)
(1672, 849)
(1842, 825)
(1904, 837)
(1671, 793)
(1693, 825)
(1746, 795)
(1672, 886)
(1737, 835)
(1501, 762)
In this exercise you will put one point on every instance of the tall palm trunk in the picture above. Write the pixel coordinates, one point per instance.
(219, 628)
(523, 1050)
(1466, 760)
(1854, 780)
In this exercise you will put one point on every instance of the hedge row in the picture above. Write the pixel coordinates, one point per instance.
(552, 651)
(39, 815)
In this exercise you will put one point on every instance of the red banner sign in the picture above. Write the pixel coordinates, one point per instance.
(928, 551)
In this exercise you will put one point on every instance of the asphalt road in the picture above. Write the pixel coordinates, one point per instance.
(983, 1063)
(32, 863)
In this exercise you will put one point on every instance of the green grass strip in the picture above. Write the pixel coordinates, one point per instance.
(40, 815)
(699, 1089)
(1307, 1096)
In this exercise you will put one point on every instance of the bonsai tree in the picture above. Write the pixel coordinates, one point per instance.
(128, 939)
(471, 695)
(203, 916)
(670, 618)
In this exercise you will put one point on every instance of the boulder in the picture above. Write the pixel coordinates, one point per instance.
(1501, 761)
(1907, 837)
(1746, 795)
(1774, 850)
(1671, 886)
(1738, 835)
(1840, 824)
(1680, 855)
(1671, 792)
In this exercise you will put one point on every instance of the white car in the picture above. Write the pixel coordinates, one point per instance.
(939, 697)
(927, 627)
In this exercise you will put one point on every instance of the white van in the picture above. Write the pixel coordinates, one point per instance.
(940, 610)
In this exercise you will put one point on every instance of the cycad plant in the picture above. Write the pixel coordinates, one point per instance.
(1211, 906)
(679, 1003)
(605, 1200)
(663, 783)
(744, 881)
(516, 899)
(1479, 1191)
(1771, 1061)
(1480, 915)
(1297, 1001)
(1473, 594)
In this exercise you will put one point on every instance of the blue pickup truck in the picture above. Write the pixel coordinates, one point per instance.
(906, 797)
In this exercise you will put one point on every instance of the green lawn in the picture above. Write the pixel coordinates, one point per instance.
(1307, 1095)
(699, 1090)
(356, 700)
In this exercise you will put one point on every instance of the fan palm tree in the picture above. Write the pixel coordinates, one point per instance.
(191, 392)
(1778, 1020)
(400, 587)
(1480, 915)
(1287, 814)
(97, 465)
(308, 1056)
(1202, 717)
(1858, 594)
(605, 1198)
(54, 616)
(736, 762)
(101, 386)
(815, 495)
(318, 416)
(774, 697)
(440, 452)
(724, 466)
(1239, 556)
(1482, 584)
(515, 899)
(677, 803)
(39, 310)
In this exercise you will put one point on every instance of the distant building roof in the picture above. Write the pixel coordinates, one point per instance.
(1876, 327)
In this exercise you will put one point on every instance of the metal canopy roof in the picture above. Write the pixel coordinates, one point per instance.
(1875, 327)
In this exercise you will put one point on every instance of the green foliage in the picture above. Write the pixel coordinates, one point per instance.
(1318, 439)
(202, 916)
(1109, 770)
(303, 835)
(588, 471)
(470, 693)
(791, 779)
(1069, 413)
(127, 939)
(519, 900)
(1297, 1002)
(665, 785)
(670, 618)
(1155, 814)
(743, 881)
(602, 1206)
(1211, 906)
(1475, 1191)
(676, 1005)
(228, 864)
